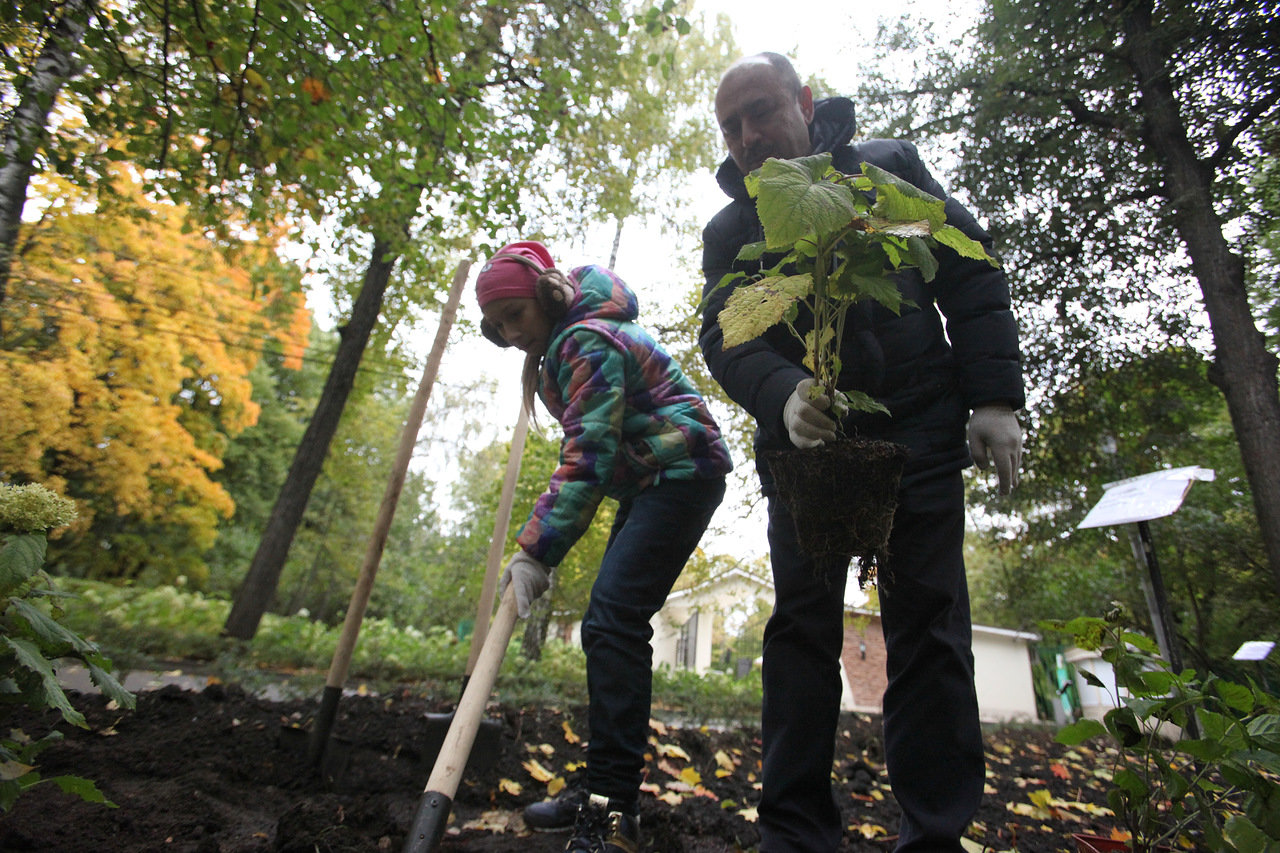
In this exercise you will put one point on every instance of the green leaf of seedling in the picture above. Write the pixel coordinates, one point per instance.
(903, 202)
(1091, 679)
(794, 200)
(21, 556)
(1124, 727)
(109, 684)
(1247, 838)
(49, 632)
(1080, 731)
(867, 279)
(755, 307)
(895, 252)
(30, 657)
(965, 246)
(1202, 750)
(1153, 683)
(1236, 696)
(82, 788)
(863, 402)
(752, 251)
(885, 291)
(1141, 642)
(922, 257)
(1131, 784)
(1265, 729)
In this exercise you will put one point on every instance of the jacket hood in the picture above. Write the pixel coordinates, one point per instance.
(600, 296)
(832, 127)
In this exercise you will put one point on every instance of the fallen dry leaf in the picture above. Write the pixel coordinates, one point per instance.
(491, 821)
(537, 771)
(668, 750)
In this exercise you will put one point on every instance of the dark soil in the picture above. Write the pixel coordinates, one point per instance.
(209, 771)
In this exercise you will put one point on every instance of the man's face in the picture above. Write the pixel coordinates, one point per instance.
(760, 117)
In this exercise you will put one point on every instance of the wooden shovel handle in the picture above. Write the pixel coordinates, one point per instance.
(501, 521)
(456, 748)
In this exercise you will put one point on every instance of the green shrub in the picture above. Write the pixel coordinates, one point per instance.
(713, 697)
(33, 638)
(169, 623)
(1217, 779)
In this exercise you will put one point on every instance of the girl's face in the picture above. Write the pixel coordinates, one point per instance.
(521, 322)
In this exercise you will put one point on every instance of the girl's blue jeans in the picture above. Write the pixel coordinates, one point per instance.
(653, 535)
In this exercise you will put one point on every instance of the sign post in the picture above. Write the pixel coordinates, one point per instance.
(1136, 501)
(1256, 651)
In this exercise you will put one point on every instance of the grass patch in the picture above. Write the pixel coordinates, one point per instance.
(145, 628)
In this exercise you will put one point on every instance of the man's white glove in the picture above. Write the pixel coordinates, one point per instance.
(531, 578)
(805, 418)
(995, 437)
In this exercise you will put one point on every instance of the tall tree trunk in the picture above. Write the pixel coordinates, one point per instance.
(259, 585)
(1243, 368)
(28, 129)
(617, 241)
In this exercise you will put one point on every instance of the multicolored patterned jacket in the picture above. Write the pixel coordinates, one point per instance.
(630, 416)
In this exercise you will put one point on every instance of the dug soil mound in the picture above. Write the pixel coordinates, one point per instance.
(215, 771)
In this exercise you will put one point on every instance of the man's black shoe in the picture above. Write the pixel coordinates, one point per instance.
(557, 813)
(603, 828)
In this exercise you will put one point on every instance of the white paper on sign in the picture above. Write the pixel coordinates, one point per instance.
(1254, 650)
(1153, 495)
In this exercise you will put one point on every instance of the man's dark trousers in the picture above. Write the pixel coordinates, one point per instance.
(933, 742)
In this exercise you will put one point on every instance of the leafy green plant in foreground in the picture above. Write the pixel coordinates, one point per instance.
(1220, 777)
(33, 639)
(843, 237)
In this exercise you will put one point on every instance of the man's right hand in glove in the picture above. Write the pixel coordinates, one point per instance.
(531, 578)
(805, 418)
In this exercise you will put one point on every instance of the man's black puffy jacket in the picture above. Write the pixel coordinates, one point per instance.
(929, 379)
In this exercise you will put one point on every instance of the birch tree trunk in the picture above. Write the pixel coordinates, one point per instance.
(28, 130)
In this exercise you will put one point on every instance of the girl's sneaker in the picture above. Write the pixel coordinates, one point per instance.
(603, 828)
(557, 813)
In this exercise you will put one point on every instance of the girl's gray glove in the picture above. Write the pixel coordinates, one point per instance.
(531, 578)
(805, 417)
(996, 438)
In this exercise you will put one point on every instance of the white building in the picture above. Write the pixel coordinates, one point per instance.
(684, 627)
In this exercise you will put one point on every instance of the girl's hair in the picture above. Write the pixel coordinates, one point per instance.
(553, 292)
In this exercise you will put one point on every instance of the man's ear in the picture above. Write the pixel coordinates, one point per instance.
(806, 104)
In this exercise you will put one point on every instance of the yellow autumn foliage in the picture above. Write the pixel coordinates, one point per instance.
(125, 349)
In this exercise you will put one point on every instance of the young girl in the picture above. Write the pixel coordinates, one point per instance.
(637, 430)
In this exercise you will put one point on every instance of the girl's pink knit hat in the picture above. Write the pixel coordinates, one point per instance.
(504, 276)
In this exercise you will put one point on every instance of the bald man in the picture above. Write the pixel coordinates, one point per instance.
(948, 370)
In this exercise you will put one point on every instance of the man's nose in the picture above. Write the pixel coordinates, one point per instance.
(751, 134)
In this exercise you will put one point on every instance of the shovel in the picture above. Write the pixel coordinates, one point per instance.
(437, 798)
(330, 757)
(484, 752)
